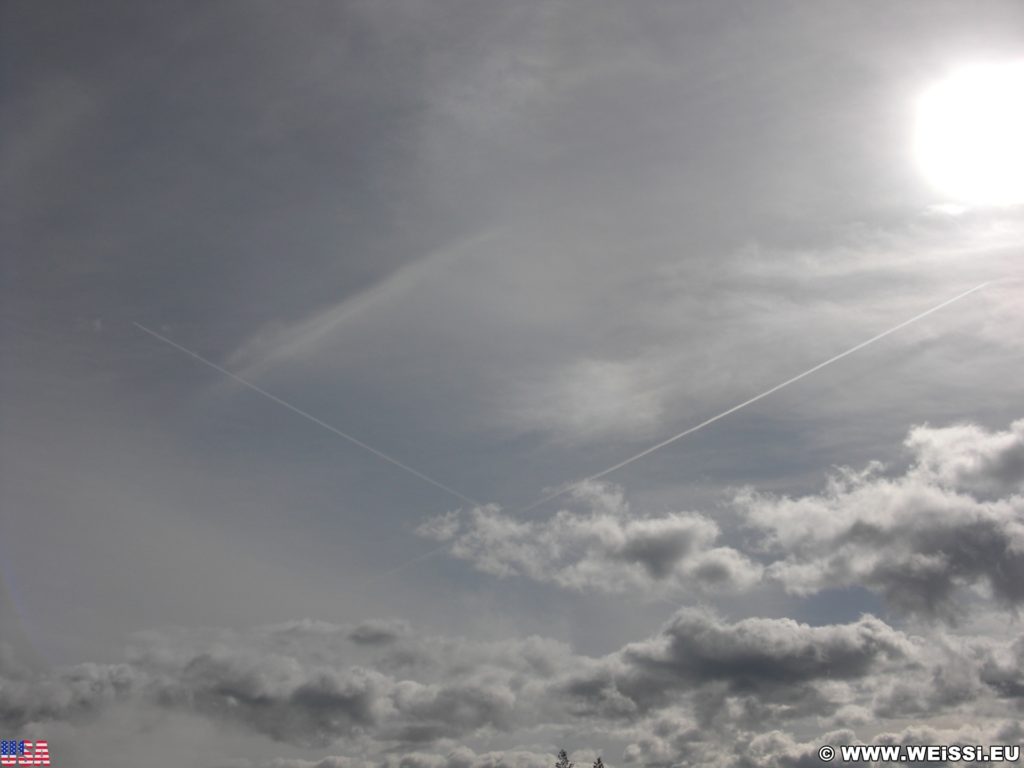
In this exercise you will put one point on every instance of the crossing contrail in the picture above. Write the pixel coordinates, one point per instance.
(745, 403)
(565, 489)
(636, 457)
(310, 417)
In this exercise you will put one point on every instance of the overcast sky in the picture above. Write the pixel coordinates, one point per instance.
(507, 244)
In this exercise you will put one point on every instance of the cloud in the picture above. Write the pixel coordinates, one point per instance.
(1003, 670)
(673, 743)
(605, 547)
(481, 233)
(294, 699)
(278, 696)
(918, 538)
(669, 739)
(300, 683)
(588, 398)
(970, 458)
(379, 632)
(698, 647)
(687, 693)
(952, 520)
(773, 662)
(75, 691)
(459, 757)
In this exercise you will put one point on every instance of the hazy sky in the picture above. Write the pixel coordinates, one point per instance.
(508, 244)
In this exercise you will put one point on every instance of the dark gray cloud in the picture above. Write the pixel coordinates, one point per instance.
(295, 683)
(76, 692)
(460, 757)
(379, 632)
(772, 665)
(697, 648)
(278, 697)
(1004, 672)
(677, 744)
(687, 692)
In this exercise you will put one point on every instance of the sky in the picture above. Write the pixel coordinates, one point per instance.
(507, 245)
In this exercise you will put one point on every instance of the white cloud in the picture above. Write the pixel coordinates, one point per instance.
(919, 538)
(605, 547)
(949, 525)
(970, 458)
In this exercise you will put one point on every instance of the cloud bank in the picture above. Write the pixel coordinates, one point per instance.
(691, 691)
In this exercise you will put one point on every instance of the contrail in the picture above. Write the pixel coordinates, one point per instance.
(312, 418)
(437, 550)
(745, 403)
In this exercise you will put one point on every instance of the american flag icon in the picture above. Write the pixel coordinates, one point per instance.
(21, 752)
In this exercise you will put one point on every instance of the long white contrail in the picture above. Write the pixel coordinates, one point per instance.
(745, 403)
(565, 489)
(310, 417)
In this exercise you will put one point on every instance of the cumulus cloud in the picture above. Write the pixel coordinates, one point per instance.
(279, 697)
(774, 665)
(604, 547)
(953, 520)
(942, 679)
(697, 646)
(970, 458)
(1003, 670)
(670, 738)
(685, 694)
(293, 699)
(71, 692)
(668, 743)
(302, 683)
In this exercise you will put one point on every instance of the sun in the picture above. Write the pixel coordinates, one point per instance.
(969, 135)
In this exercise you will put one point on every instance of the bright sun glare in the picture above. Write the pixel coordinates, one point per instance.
(969, 134)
